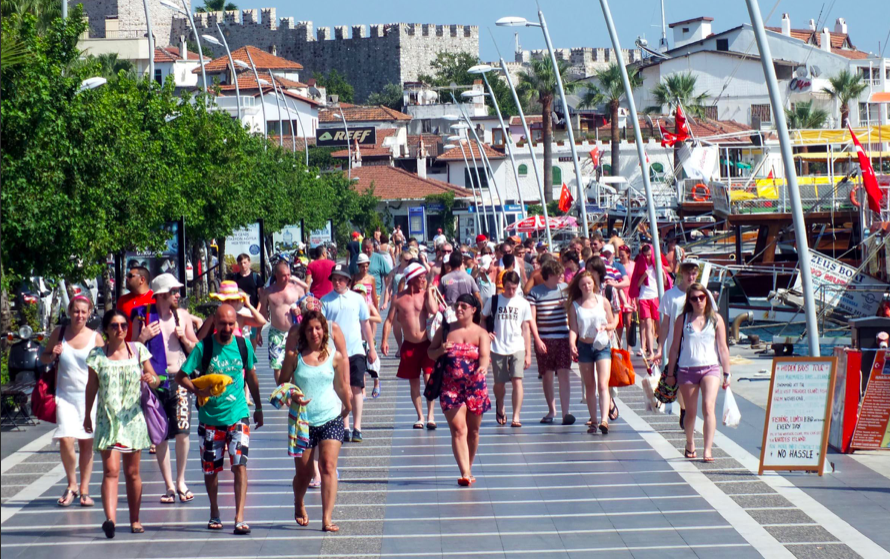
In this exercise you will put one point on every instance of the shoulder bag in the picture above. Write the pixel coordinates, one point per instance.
(155, 417)
(664, 392)
(43, 397)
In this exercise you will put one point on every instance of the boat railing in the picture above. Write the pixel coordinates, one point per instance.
(747, 196)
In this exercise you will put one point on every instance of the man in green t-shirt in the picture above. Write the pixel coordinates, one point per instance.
(223, 422)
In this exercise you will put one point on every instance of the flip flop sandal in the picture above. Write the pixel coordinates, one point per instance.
(168, 498)
(687, 453)
(86, 501)
(569, 419)
(708, 459)
(330, 528)
(547, 420)
(137, 530)
(241, 529)
(108, 528)
(592, 430)
(431, 426)
(604, 428)
(515, 424)
(375, 393)
(215, 524)
(589, 422)
(418, 425)
(464, 482)
(315, 483)
(186, 496)
(472, 480)
(501, 418)
(152, 449)
(613, 411)
(67, 498)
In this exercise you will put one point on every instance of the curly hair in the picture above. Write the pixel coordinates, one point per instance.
(303, 337)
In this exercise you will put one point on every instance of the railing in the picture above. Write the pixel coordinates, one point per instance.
(752, 196)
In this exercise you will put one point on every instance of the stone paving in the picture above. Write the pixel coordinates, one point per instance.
(542, 490)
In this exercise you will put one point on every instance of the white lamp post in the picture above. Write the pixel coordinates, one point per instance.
(278, 97)
(348, 147)
(186, 11)
(151, 38)
(522, 22)
(463, 126)
(259, 84)
(225, 44)
(301, 128)
(460, 142)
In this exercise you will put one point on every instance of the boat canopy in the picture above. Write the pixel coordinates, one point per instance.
(823, 156)
(871, 135)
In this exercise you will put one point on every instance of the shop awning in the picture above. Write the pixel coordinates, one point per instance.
(822, 137)
(844, 155)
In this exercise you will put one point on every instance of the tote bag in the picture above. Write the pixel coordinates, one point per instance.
(43, 397)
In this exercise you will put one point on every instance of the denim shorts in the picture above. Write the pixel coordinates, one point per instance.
(587, 353)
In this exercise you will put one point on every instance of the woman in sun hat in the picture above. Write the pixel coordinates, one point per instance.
(248, 316)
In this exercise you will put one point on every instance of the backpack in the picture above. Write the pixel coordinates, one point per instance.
(489, 320)
(207, 353)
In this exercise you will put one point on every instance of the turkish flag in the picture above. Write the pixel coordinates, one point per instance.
(565, 199)
(595, 157)
(667, 139)
(682, 126)
(869, 180)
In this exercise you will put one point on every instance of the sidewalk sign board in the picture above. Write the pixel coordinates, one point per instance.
(322, 236)
(244, 241)
(288, 237)
(873, 427)
(170, 260)
(417, 222)
(798, 413)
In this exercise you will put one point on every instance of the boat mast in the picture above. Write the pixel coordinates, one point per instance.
(663, 45)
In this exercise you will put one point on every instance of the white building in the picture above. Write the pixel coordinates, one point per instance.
(728, 70)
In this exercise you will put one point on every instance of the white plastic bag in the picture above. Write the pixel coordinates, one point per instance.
(731, 414)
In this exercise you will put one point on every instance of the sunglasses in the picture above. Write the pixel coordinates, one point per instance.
(122, 326)
(698, 298)
(464, 307)
(131, 276)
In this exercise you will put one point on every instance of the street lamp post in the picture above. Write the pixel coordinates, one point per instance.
(484, 69)
(348, 147)
(531, 151)
(517, 22)
(151, 39)
(641, 153)
(460, 142)
(259, 84)
(280, 94)
(278, 105)
(800, 228)
(186, 11)
(464, 126)
(302, 129)
(225, 44)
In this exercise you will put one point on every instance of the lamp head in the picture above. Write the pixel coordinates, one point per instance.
(453, 139)
(171, 6)
(459, 126)
(242, 64)
(261, 81)
(472, 94)
(450, 146)
(479, 69)
(512, 21)
(91, 83)
(211, 40)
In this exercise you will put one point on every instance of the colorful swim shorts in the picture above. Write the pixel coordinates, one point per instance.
(215, 441)
(277, 340)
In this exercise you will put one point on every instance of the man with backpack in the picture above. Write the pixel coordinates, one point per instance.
(223, 420)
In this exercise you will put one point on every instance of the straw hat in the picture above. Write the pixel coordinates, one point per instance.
(228, 291)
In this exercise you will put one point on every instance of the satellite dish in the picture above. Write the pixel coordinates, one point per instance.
(815, 71)
(801, 71)
(649, 121)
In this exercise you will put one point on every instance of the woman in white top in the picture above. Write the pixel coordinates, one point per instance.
(590, 322)
(697, 355)
(72, 349)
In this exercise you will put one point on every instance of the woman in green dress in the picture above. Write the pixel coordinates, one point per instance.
(116, 374)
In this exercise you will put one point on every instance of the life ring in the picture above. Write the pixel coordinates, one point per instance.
(853, 197)
(636, 204)
(698, 188)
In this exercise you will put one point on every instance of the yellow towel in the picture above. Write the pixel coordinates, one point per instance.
(216, 383)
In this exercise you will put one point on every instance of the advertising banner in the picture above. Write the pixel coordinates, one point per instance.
(838, 286)
(244, 241)
(322, 236)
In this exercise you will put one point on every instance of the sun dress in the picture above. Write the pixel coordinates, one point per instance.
(71, 390)
(461, 382)
(120, 423)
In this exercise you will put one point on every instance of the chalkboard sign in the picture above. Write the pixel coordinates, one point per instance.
(873, 426)
(798, 412)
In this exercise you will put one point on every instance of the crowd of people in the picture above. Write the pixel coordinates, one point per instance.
(455, 315)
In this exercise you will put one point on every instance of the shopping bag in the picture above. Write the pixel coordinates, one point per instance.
(622, 373)
(155, 417)
(731, 414)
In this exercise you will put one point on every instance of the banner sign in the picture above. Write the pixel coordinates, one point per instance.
(798, 414)
(873, 428)
(329, 137)
(287, 238)
(244, 241)
(837, 285)
(322, 236)
(169, 261)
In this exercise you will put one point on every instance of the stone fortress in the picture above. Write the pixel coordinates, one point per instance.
(391, 53)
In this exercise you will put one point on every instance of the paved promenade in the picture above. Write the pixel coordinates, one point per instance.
(542, 491)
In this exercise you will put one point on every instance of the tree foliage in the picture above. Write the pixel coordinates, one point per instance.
(610, 91)
(217, 6)
(805, 116)
(845, 87)
(452, 68)
(336, 83)
(390, 96)
(679, 88)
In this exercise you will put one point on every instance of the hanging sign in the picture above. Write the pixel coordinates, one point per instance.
(873, 427)
(322, 236)
(798, 414)
(328, 137)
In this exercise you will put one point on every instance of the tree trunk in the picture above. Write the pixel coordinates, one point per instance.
(805, 165)
(221, 250)
(547, 138)
(107, 293)
(198, 282)
(845, 115)
(615, 141)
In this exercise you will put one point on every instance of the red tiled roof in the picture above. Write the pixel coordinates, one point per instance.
(530, 119)
(262, 59)
(840, 42)
(361, 113)
(171, 54)
(455, 154)
(391, 183)
(246, 81)
(377, 150)
(432, 143)
(289, 141)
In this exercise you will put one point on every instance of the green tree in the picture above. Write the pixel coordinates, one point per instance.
(390, 96)
(804, 116)
(611, 91)
(452, 68)
(540, 81)
(45, 12)
(678, 88)
(336, 83)
(845, 87)
(217, 6)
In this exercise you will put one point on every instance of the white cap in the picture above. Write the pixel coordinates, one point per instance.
(164, 283)
(363, 259)
(485, 261)
(413, 271)
(608, 248)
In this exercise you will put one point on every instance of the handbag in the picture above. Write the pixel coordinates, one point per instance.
(155, 417)
(435, 322)
(622, 373)
(666, 393)
(632, 329)
(43, 397)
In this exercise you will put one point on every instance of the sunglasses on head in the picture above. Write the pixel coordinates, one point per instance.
(698, 298)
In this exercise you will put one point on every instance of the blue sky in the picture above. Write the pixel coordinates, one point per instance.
(575, 23)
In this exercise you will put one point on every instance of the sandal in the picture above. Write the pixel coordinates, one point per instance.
(185, 496)
(215, 524)
(501, 418)
(137, 529)
(108, 528)
(472, 480)
(375, 393)
(592, 429)
(431, 425)
(547, 420)
(67, 498)
(241, 529)
(708, 459)
(330, 528)
(613, 411)
(315, 483)
(169, 497)
(418, 425)
(687, 453)
(464, 482)
(604, 427)
(516, 424)
(152, 449)
(589, 422)
(86, 500)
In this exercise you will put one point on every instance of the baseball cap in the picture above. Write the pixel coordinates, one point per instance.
(340, 270)
(609, 247)
(485, 261)
(165, 283)
(355, 235)
(363, 259)
(480, 238)
(439, 230)
(413, 271)
(540, 245)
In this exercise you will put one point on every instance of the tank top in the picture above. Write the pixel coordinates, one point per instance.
(589, 320)
(699, 349)
(317, 383)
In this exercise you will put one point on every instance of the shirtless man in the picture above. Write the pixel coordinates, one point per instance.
(278, 303)
(409, 311)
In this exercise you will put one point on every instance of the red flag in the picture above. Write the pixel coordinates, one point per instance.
(869, 180)
(565, 199)
(770, 175)
(667, 139)
(682, 126)
(595, 157)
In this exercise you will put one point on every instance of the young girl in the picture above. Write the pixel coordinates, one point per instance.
(590, 321)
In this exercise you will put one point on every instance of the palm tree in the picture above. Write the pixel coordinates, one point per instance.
(46, 11)
(110, 65)
(845, 87)
(804, 116)
(680, 88)
(610, 92)
(217, 6)
(540, 80)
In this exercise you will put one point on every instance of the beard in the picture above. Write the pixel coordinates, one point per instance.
(225, 337)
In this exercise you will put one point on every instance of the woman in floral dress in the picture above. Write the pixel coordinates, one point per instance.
(117, 372)
(464, 351)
